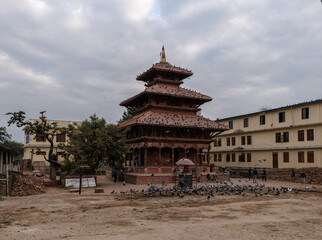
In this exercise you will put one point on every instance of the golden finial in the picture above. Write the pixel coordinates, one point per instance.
(163, 59)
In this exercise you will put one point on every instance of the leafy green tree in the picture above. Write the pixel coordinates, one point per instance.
(4, 136)
(40, 128)
(93, 143)
(125, 116)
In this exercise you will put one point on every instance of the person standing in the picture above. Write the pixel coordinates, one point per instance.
(255, 173)
(264, 175)
(249, 173)
(293, 173)
(115, 174)
(303, 177)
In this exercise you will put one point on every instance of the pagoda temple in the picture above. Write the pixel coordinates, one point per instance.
(166, 125)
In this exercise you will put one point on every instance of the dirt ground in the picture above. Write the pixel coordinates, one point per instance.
(60, 214)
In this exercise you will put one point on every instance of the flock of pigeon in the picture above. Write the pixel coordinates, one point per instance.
(211, 189)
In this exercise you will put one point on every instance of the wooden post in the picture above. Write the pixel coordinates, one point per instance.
(197, 154)
(145, 157)
(80, 181)
(172, 159)
(159, 163)
(208, 162)
(139, 157)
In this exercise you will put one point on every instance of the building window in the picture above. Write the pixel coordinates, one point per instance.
(310, 157)
(233, 141)
(215, 143)
(310, 134)
(219, 142)
(249, 157)
(60, 153)
(305, 113)
(228, 141)
(286, 157)
(227, 157)
(249, 140)
(262, 120)
(286, 137)
(243, 140)
(61, 137)
(300, 134)
(278, 137)
(242, 157)
(40, 139)
(281, 117)
(233, 157)
(301, 157)
(215, 157)
(219, 157)
(245, 122)
(231, 124)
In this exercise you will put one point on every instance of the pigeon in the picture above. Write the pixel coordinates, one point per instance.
(112, 192)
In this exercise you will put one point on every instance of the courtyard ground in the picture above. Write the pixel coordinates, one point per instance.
(60, 214)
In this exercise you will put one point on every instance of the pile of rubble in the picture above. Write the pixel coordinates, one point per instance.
(25, 185)
(313, 175)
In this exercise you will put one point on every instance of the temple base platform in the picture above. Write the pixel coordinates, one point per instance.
(165, 175)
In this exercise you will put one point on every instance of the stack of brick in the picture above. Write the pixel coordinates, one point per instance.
(313, 175)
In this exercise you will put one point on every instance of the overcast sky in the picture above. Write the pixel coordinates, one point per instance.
(75, 58)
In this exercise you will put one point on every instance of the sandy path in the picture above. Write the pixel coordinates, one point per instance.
(59, 214)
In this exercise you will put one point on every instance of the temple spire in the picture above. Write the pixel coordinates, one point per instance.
(163, 59)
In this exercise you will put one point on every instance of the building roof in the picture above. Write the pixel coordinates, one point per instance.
(170, 90)
(274, 109)
(164, 67)
(5, 148)
(173, 120)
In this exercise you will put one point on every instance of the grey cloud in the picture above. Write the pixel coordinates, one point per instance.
(76, 58)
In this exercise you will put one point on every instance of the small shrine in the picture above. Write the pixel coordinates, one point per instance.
(166, 124)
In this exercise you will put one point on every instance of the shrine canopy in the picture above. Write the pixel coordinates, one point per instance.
(185, 162)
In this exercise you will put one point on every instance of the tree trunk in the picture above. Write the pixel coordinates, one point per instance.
(53, 173)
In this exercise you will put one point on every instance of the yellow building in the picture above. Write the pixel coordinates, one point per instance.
(285, 137)
(36, 148)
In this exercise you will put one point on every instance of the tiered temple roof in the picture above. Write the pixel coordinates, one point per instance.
(181, 73)
(170, 90)
(172, 120)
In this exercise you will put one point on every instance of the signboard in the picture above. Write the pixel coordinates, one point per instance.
(74, 182)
